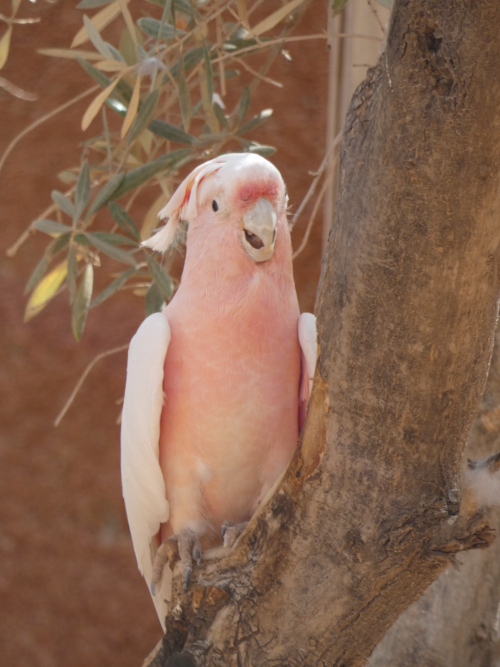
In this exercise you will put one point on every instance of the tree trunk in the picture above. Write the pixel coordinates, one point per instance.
(367, 515)
(456, 622)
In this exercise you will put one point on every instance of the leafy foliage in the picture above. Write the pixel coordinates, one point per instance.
(165, 81)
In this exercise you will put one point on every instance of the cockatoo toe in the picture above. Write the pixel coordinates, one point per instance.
(230, 532)
(186, 547)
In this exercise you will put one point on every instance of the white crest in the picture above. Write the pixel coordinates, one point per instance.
(182, 205)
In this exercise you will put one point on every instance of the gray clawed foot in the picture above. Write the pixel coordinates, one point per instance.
(230, 532)
(185, 546)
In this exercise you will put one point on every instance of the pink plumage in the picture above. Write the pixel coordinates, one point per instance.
(228, 423)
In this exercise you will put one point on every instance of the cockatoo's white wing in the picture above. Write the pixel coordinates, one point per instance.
(142, 479)
(309, 347)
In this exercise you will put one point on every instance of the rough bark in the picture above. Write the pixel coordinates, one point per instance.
(457, 622)
(367, 515)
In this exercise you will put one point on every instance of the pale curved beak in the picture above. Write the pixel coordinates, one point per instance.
(259, 230)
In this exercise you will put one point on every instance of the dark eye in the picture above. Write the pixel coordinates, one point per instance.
(215, 206)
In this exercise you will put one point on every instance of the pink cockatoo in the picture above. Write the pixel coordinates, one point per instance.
(217, 384)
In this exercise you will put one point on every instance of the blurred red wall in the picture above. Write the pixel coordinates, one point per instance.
(70, 592)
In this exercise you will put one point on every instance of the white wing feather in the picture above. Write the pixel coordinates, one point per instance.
(142, 479)
(309, 347)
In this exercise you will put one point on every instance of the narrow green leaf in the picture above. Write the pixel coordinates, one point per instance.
(209, 72)
(171, 132)
(255, 121)
(190, 59)
(161, 277)
(82, 302)
(123, 89)
(50, 227)
(82, 194)
(37, 274)
(221, 116)
(122, 218)
(111, 250)
(72, 274)
(184, 97)
(186, 7)
(105, 194)
(243, 105)
(94, 73)
(90, 4)
(154, 28)
(167, 13)
(112, 287)
(96, 38)
(138, 176)
(63, 202)
(117, 106)
(61, 243)
(155, 302)
(261, 149)
(107, 237)
(115, 53)
(207, 139)
(146, 110)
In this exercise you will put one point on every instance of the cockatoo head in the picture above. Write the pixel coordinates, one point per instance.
(239, 193)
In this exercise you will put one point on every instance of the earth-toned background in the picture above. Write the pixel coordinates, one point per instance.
(70, 591)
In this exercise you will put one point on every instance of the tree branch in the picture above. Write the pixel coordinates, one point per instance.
(367, 516)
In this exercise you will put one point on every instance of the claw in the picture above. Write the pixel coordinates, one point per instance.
(153, 588)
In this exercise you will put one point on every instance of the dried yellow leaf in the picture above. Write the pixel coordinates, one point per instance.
(4, 46)
(151, 220)
(15, 6)
(277, 16)
(70, 53)
(132, 107)
(96, 104)
(242, 12)
(45, 290)
(111, 66)
(99, 20)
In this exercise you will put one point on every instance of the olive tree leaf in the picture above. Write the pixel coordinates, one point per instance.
(144, 114)
(82, 194)
(105, 194)
(63, 202)
(243, 105)
(122, 218)
(5, 46)
(143, 173)
(50, 226)
(113, 287)
(154, 28)
(255, 121)
(72, 273)
(132, 107)
(38, 272)
(110, 250)
(171, 132)
(160, 277)
(45, 290)
(96, 104)
(96, 38)
(276, 17)
(155, 302)
(82, 302)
